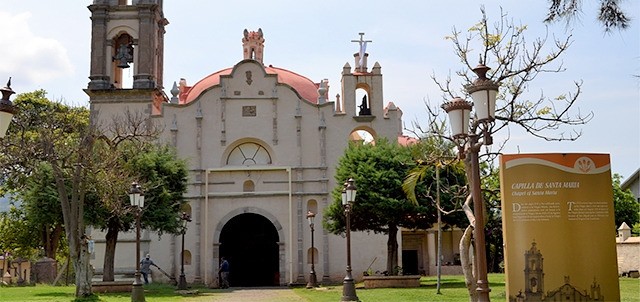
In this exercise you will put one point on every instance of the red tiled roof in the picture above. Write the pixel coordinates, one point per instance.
(307, 89)
(404, 140)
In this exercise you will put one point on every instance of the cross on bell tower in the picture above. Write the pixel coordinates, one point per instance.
(361, 55)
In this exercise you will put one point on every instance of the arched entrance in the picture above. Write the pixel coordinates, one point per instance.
(250, 243)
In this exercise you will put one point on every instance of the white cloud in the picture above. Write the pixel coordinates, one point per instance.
(27, 56)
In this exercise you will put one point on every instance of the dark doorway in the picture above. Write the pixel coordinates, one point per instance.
(410, 262)
(250, 243)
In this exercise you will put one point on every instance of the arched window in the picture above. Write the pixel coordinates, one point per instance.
(248, 154)
(315, 256)
(312, 205)
(122, 63)
(187, 257)
(363, 101)
(186, 208)
(362, 136)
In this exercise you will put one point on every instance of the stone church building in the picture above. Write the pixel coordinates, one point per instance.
(262, 145)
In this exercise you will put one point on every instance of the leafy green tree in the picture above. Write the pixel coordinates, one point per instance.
(493, 221)
(381, 205)
(80, 158)
(17, 237)
(60, 135)
(42, 209)
(627, 209)
(162, 176)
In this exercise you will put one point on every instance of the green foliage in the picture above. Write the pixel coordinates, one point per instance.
(493, 220)
(635, 229)
(16, 235)
(23, 160)
(164, 179)
(381, 205)
(378, 171)
(23, 143)
(434, 155)
(627, 209)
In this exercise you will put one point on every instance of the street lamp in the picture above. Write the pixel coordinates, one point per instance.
(7, 110)
(348, 197)
(136, 197)
(182, 284)
(483, 91)
(313, 281)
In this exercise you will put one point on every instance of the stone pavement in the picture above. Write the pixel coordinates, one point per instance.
(261, 294)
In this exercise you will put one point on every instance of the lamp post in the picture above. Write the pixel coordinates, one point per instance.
(348, 197)
(483, 91)
(136, 197)
(182, 284)
(7, 110)
(313, 281)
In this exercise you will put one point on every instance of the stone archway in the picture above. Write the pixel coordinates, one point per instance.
(250, 242)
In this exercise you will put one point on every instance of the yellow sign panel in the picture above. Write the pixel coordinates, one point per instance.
(558, 227)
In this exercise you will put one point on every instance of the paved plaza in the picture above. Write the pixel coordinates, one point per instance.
(269, 294)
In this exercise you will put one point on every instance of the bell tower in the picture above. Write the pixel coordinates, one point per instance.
(362, 88)
(126, 35)
(533, 274)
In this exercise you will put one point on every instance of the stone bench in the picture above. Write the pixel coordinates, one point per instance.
(111, 286)
(391, 281)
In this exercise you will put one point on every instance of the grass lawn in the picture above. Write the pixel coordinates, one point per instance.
(452, 289)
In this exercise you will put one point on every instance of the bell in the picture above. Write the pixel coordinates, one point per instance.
(122, 63)
(124, 56)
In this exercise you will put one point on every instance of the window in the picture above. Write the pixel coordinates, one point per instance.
(248, 154)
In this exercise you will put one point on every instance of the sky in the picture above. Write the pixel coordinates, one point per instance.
(46, 45)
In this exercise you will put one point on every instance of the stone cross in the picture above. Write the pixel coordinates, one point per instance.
(363, 48)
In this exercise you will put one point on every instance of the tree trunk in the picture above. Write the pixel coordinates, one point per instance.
(392, 250)
(52, 240)
(109, 254)
(72, 214)
(84, 272)
(466, 260)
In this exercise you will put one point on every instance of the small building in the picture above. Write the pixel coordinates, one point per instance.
(14, 271)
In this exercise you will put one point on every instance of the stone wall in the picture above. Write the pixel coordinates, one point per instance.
(628, 255)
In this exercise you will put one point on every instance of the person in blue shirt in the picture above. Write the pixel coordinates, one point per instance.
(224, 273)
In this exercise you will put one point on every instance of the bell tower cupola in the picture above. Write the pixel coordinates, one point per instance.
(253, 45)
(127, 40)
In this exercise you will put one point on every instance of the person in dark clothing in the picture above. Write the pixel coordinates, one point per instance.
(145, 268)
(224, 273)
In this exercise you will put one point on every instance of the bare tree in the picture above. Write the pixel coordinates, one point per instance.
(516, 64)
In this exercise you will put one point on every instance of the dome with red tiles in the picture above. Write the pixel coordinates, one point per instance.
(306, 88)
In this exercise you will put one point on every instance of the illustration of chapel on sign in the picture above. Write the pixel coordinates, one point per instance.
(534, 284)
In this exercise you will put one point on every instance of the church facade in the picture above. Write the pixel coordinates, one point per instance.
(262, 145)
